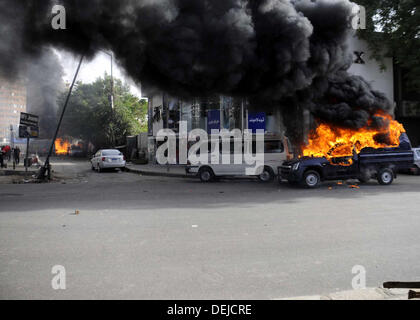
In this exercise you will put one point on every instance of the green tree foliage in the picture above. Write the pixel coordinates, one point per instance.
(395, 26)
(89, 115)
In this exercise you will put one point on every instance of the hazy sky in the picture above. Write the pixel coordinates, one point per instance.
(90, 70)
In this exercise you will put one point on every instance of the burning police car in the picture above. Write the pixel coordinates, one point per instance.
(382, 164)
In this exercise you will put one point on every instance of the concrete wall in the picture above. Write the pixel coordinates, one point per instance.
(380, 80)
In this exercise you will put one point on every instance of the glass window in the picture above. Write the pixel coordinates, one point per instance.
(173, 119)
(273, 146)
(111, 153)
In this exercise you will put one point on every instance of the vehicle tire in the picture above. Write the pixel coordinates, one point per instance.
(311, 179)
(364, 177)
(416, 170)
(267, 175)
(206, 174)
(385, 176)
(98, 169)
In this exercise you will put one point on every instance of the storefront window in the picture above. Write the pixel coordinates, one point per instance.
(174, 114)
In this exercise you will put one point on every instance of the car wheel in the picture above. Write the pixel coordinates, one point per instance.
(416, 170)
(364, 177)
(206, 174)
(267, 175)
(385, 177)
(311, 179)
(98, 168)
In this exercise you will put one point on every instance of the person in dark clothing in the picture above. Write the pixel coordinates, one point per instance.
(16, 155)
(1, 157)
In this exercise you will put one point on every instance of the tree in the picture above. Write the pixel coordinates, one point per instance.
(89, 115)
(395, 26)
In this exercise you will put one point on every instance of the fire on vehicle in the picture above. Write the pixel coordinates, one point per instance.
(335, 153)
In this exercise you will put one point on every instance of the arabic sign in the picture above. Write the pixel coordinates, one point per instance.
(256, 120)
(213, 120)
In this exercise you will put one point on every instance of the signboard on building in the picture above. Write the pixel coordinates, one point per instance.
(213, 120)
(28, 119)
(28, 127)
(256, 120)
(28, 132)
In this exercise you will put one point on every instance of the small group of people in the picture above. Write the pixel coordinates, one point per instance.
(6, 155)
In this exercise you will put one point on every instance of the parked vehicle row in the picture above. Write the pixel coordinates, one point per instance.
(380, 164)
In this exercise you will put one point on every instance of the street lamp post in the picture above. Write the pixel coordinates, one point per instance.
(112, 98)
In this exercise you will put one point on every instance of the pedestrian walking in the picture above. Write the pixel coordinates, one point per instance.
(1, 157)
(16, 153)
(7, 152)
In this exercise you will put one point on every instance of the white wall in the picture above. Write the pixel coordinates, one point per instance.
(380, 80)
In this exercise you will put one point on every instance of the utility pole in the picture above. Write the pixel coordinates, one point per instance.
(12, 145)
(46, 168)
(27, 157)
(112, 99)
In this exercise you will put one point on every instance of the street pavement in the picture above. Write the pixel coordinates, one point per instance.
(146, 237)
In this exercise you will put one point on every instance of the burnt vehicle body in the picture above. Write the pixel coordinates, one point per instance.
(382, 164)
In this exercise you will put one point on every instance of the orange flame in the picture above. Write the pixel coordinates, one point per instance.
(62, 147)
(334, 142)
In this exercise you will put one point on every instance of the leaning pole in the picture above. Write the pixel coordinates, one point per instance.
(45, 170)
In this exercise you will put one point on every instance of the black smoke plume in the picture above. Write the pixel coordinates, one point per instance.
(44, 83)
(292, 53)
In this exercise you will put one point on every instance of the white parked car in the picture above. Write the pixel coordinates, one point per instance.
(416, 167)
(108, 159)
(276, 151)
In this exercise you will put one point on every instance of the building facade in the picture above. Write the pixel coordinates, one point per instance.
(221, 112)
(13, 97)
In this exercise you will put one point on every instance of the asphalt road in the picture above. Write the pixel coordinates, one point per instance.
(140, 237)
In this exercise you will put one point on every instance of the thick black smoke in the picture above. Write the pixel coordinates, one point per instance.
(290, 52)
(44, 83)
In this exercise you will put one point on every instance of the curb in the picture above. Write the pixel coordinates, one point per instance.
(156, 173)
(9, 172)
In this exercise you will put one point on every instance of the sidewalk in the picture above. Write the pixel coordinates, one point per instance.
(18, 171)
(177, 171)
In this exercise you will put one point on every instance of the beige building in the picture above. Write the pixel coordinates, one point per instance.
(12, 103)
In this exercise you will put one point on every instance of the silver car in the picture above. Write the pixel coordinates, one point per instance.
(108, 159)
